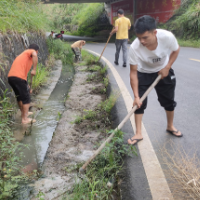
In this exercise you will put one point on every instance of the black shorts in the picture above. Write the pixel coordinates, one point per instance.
(20, 87)
(165, 90)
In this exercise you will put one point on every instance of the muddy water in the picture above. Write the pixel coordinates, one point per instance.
(38, 135)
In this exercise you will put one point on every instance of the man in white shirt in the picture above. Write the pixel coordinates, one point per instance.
(153, 52)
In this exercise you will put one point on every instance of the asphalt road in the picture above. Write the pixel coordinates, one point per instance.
(187, 112)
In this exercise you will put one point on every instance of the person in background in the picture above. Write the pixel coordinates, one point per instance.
(153, 52)
(17, 78)
(76, 48)
(122, 26)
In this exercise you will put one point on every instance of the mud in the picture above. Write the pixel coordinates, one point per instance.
(71, 144)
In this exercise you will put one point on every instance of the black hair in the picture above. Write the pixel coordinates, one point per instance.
(144, 23)
(34, 46)
(120, 11)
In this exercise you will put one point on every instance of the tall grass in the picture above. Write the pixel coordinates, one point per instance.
(183, 170)
(40, 78)
(60, 50)
(22, 16)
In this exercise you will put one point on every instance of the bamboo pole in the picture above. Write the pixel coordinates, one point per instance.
(105, 46)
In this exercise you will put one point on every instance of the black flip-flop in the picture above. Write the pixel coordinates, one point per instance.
(172, 133)
(137, 140)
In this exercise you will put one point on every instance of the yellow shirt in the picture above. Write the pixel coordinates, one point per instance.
(77, 44)
(123, 24)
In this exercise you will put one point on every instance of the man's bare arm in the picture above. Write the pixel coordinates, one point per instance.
(165, 71)
(114, 30)
(35, 61)
(134, 85)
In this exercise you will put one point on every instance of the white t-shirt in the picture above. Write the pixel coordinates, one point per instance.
(153, 61)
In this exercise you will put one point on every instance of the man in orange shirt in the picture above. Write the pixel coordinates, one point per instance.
(17, 78)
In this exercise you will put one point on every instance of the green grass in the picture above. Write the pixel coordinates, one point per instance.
(81, 19)
(86, 19)
(189, 43)
(185, 23)
(108, 104)
(61, 50)
(40, 78)
(105, 167)
(9, 160)
(101, 112)
(22, 16)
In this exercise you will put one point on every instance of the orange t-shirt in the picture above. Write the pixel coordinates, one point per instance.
(22, 65)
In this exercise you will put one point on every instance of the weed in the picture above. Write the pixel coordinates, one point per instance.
(59, 116)
(101, 112)
(93, 68)
(90, 114)
(183, 169)
(40, 78)
(103, 91)
(60, 50)
(106, 81)
(50, 61)
(9, 159)
(90, 77)
(88, 58)
(103, 71)
(108, 104)
(106, 166)
(78, 120)
(40, 195)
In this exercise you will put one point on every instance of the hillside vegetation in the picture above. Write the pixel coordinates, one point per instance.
(76, 19)
(186, 21)
(22, 16)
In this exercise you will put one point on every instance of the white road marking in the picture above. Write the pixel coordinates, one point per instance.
(194, 59)
(155, 176)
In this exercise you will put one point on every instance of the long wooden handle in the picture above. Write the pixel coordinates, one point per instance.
(31, 82)
(82, 169)
(104, 48)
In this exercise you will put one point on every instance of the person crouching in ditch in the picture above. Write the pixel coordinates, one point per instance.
(17, 79)
(76, 48)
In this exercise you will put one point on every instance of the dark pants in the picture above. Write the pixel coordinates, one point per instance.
(20, 88)
(77, 54)
(165, 90)
(119, 44)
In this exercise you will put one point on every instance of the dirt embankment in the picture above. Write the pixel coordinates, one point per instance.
(73, 143)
